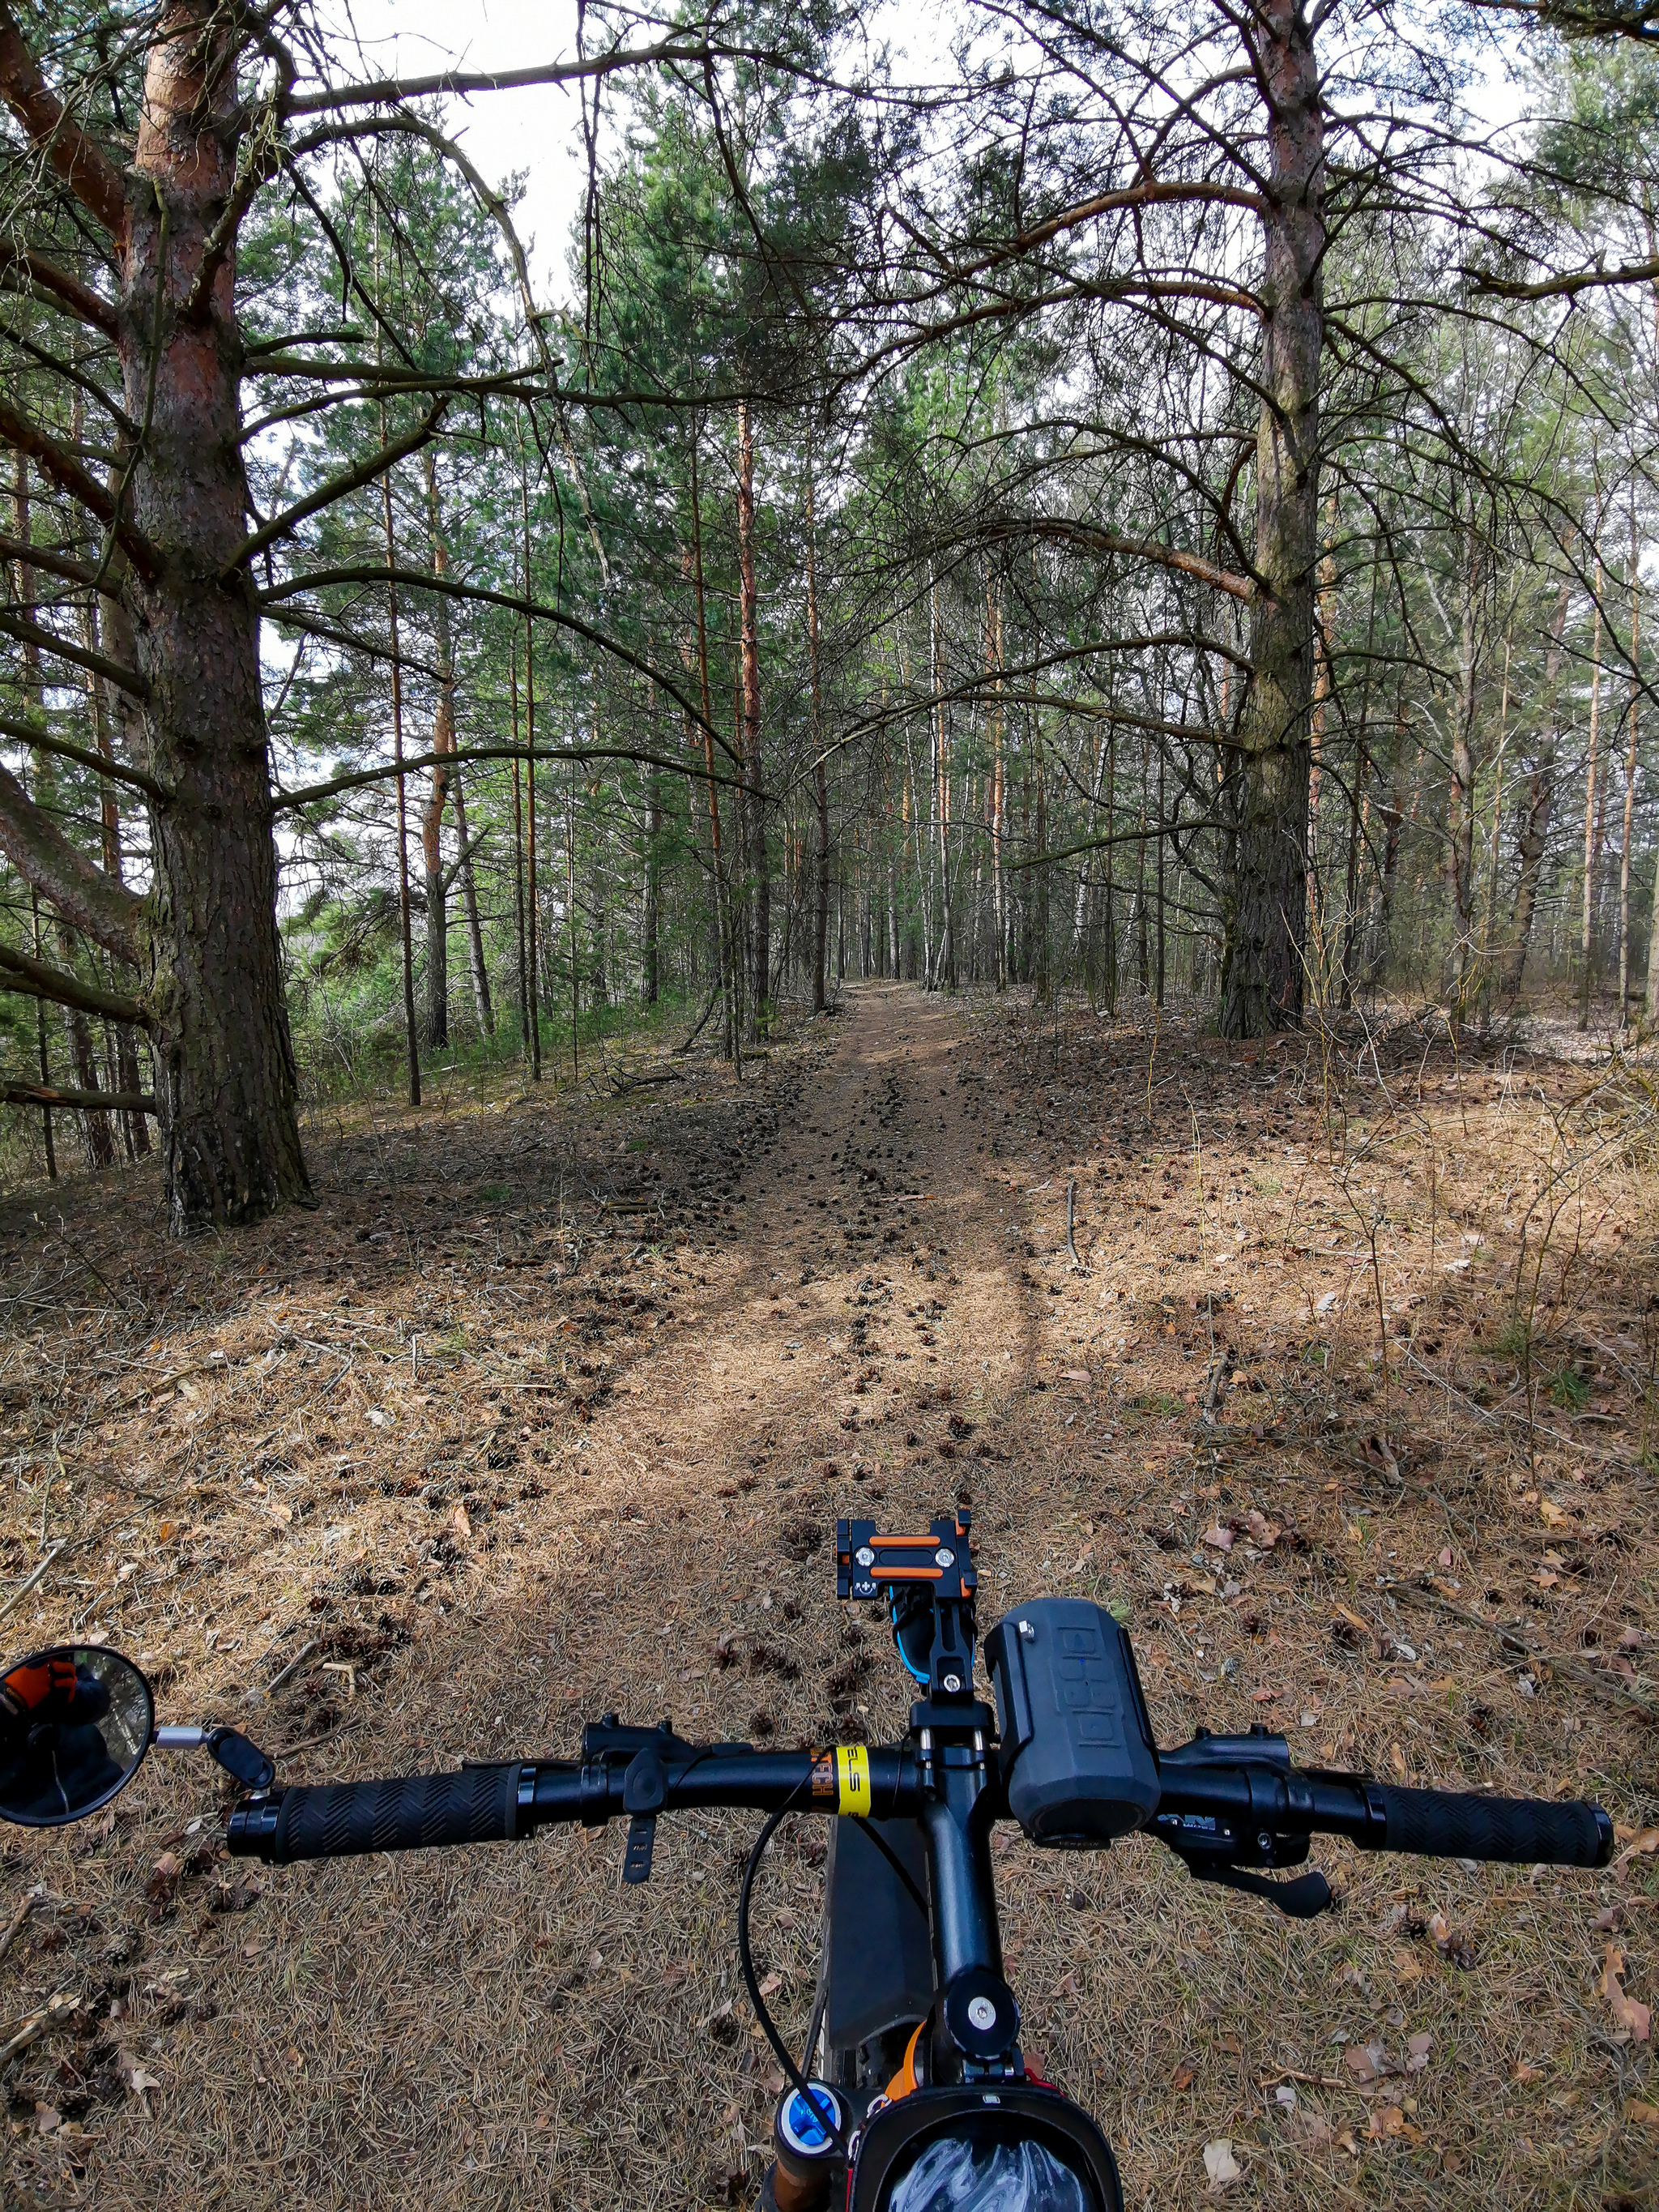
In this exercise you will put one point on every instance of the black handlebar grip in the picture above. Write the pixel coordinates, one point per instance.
(1519, 1831)
(479, 1804)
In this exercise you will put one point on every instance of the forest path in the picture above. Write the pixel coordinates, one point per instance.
(873, 1282)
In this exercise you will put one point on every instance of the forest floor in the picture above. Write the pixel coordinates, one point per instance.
(548, 1410)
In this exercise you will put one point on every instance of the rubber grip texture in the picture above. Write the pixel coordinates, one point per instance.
(479, 1804)
(1520, 1831)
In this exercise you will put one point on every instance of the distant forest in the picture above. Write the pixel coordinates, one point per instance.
(1166, 510)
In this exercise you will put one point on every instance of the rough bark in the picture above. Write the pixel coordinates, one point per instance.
(1266, 901)
(227, 1085)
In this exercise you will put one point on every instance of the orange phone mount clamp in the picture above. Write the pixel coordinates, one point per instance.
(929, 1583)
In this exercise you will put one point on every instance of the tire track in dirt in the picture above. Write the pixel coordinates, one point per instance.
(873, 1300)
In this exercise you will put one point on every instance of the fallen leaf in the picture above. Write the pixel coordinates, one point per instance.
(1523, 2070)
(1408, 1966)
(46, 2119)
(164, 1878)
(1218, 1538)
(1551, 1514)
(1077, 1374)
(771, 1985)
(1632, 2021)
(1264, 1696)
(141, 2080)
(1643, 1845)
(1388, 2120)
(1367, 2062)
(457, 1528)
(1446, 1556)
(1417, 2048)
(1219, 2164)
(1546, 1580)
(1377, 1454)
(1262, 1531)
(772, 2081)
(1397, 1760)
(1310, 2127)
(1642, 2115)
(1184, 2078)
(1346, 2142)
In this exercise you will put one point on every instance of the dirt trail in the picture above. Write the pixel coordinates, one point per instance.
(873, 1266)
(551, 1411)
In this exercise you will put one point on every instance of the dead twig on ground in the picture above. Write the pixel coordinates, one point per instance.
(1573, 1670)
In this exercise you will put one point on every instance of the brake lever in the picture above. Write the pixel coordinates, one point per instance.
(240, 1758)
(1304, 1898)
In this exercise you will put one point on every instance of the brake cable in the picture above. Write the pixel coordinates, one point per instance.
(751, 1983)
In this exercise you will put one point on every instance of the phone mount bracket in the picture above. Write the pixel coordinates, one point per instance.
(931, 1585)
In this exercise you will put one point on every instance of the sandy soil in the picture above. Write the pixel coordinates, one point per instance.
(549, 1410)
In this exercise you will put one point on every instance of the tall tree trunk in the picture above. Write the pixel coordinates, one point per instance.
(517, 859)
(45, 1056)
(1266, 901)
(1592, 826)
(998, 801)
(226, 1083)
(533, 915)
(479, 974)
(652, 952)
(1534, 811)
(729, 976)
(1633, 707)
(749, 721)
(1161, 842)
(405, 933)
(820, 773)
(1460, 797)
(432, 861)
(213, 1000)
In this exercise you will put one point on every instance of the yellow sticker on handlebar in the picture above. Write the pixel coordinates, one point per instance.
(852, 1780)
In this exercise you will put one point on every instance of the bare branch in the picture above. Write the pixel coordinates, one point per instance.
(38, 979)
(33, 632)
(337, 488)
(84, 165)
(67, 473)
(91, 902)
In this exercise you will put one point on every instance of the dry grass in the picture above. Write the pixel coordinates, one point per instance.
(506, 1455)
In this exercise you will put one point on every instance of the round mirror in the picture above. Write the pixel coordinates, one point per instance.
(74, 1722)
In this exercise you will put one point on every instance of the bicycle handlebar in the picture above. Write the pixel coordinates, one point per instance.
(502, 1804)
(1268, 1801)
(1520, 1831)
(1200, 1801)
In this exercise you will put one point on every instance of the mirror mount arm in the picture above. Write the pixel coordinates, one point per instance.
(243, 1761)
